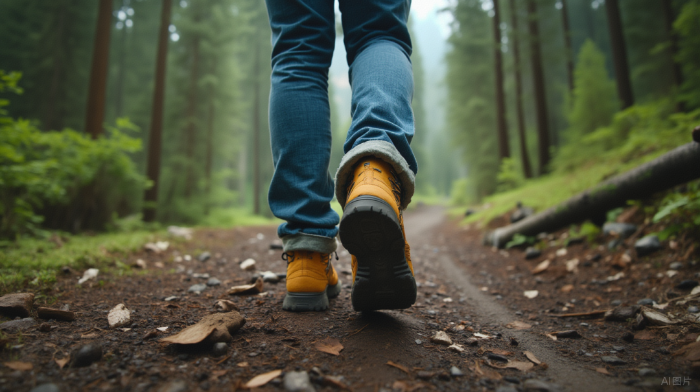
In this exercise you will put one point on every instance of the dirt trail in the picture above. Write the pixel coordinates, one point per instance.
(451, 270)
(561, 370)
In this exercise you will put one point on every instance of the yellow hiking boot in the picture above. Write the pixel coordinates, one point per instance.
(372, 231)
(311, 280)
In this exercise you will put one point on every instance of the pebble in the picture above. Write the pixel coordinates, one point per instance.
(647, 245)
(472, 341)
(618, 348)
(119, 316)
(197, 288)
(297, 382)
(86, 355)
(456, 372)
(646, 302)
(623, 230)
(616, 302)
(511, 379)
(441, 337)
(172, 298)
(213, 282)
(535, 385)
(687, 284)
(496, 357)
(16, 305)
(531, 253)
(693, 309)
(17, 325)
(622, 313)
(644, 372)
(612, 360)
(174, 386)
(506, 388)
(676, 265)
(219, 349)
(418, 341)
(572, 334)
(425, 375)
(248, 265)
(48, 387)
(204, 256)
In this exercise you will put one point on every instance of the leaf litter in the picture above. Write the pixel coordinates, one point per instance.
(329, 345)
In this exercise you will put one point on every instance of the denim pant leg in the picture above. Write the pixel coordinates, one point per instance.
(379, 49)
(303, 37)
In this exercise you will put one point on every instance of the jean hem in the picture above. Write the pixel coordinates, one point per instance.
(386, 152)
(315, 243)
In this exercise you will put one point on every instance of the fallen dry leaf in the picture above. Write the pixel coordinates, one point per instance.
(16, 365)
(532, 357)
(62, 362)
(541, 267)
(254, 288)
(567, 288)
(242, 364)
(603, 371)
(644, 335)
(224, 305)
(216, 327)
(218, 373)
(400, 367)
(690, 352)
(89, 336)
(518, 325)
(488, 373)
(501, 352)
(329, 345)
(263, 379)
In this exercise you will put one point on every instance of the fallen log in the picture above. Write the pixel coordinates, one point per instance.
(671, 169)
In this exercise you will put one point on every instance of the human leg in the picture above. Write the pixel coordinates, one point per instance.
(303, 35)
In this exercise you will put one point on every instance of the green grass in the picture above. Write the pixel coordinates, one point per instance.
(549, 190)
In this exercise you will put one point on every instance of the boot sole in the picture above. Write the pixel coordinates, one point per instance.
(310, 302)
(371, 231)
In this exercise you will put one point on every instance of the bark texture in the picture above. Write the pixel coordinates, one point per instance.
(524, 155)
(538, 84)
(97, 91)
(619, 49)
(503, 145)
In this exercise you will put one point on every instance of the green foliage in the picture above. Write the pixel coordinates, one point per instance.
(510, 176)
(687, 28)
(40, 169)
(519, 240)
(462, 192)
(594, 100)
(587, 230)
(680, 212)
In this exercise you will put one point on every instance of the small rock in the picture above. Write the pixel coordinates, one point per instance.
(496, 357)
(623, 230)
(511, 379)
(89, 274)
(86, 355)
(200, 276)
(219, 349)
(535, 385)
(676, 265)
(48, 387)
(197, 288)
(248, 265)
(171, 298)
(645, 372)
(16, 305)
(506, 388)
(618, 348)
(269, 276)
(687, 284)
(612, 360)
(647, 245)
(297, 382)
(628, 337)
(693, 309)
(571, 334)
(455, 372)
(17, 325)
(119, 316)
(521, 213)
(441, 337)
(456, 348)
(622, 313)
(646, 302)
(640, 322)
(418, 341)
(472, 341)
(425, 375)
(531, 253)
(204, 256)
(213, 282)
(616, 302)
(55, 314)
(663, 350)
(174, 386)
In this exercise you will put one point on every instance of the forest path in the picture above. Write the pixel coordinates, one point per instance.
(465, 290)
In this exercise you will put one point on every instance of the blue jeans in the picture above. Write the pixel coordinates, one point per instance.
(378, 49)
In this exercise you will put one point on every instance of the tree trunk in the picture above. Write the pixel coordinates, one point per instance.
(619, 50)
(256, 131)
(210, 144)
(98, 74)
(524, 155)
(669, 17)
(671, 169)
(155, 134)
(191, 129)
(503, 147)
(538, 84)
(567, 44)
(52, 118)
(119, 93)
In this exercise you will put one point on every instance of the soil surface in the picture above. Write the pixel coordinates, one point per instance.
(473, 293)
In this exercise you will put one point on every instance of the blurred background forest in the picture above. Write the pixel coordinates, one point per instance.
(116, 112)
